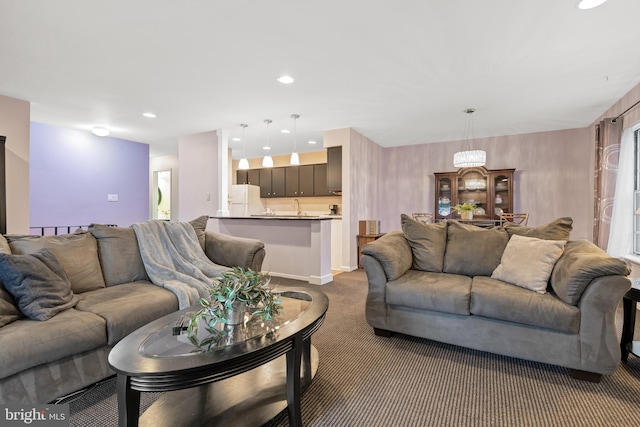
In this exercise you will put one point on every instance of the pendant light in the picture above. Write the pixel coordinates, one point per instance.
(267, 161)
(469, 158)
(295, 159)
(243, 163)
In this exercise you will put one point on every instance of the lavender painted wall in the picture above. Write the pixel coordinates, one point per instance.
(71, 172)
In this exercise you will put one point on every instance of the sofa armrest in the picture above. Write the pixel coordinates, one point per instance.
(232, 251)
(393, 252)
(598, 335)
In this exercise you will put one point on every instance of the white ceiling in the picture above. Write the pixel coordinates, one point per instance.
(400, 72)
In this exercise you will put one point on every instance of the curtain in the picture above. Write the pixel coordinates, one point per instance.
(608, 135)
(621, 232)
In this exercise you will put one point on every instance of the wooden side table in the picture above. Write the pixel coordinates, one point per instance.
(363, 239)
(629, 302)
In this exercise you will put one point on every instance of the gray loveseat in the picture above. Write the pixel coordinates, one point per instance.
(111, 296)
(469, 286)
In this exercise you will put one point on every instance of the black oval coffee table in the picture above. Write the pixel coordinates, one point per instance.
(249, 374)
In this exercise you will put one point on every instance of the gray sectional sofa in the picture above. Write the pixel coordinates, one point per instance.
(106, 295)
(526, 292)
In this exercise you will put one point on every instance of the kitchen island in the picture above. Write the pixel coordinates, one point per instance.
(297, 246)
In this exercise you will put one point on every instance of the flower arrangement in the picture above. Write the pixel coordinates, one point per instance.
(465, 207)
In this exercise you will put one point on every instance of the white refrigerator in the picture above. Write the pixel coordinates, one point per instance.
(245, 200)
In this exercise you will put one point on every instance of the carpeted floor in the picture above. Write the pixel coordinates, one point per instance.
(365, 380)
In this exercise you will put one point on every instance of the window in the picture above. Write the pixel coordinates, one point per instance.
(636, 194)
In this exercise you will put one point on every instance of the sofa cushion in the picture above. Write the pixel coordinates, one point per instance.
(4, 245)
(200, 226)
(558, 229)
(9, 311)
(119, 254)
(527, 262)
(581, 262)
(128, 306)
(502, 301)
(427, 241)
(38, 283)
(77, 253)
(28, 343)
(393, 252)
(473, 251)
(447, 293)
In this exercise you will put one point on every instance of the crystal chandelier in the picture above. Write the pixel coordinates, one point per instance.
(469, 158)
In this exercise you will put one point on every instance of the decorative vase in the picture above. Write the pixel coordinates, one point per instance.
(466, 215)
(235, 314)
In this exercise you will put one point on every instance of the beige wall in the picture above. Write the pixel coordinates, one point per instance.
(14, 124)
(198, 177)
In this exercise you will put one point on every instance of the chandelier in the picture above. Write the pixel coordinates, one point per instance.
(469, 158)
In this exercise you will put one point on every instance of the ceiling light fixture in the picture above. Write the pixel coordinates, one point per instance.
(285, 80)
(149, 115)
(311, 142)
(590, 4)
(285, 131)
(295, 159)
(243, 163)
(100, 131)
(267, 161)
(469, 158)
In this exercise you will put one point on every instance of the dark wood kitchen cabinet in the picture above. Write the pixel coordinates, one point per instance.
(251, 176)
(320, 180)
(299, 181)
(272, 182)
(334, 169)
(305, 180)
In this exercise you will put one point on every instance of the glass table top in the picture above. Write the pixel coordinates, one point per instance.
(254, 332)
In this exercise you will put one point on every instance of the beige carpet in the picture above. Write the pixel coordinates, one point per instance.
(364, 380)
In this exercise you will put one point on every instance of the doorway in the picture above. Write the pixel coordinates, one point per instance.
(162, 194)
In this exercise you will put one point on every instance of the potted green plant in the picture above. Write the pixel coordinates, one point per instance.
(230, 297)
(465, 210)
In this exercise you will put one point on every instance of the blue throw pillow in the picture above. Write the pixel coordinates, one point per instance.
(38, 283)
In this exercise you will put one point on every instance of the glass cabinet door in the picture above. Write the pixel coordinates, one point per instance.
(502, 199)
(444, 198)
(472, 188)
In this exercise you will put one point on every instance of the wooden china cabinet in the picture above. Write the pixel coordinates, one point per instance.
(490, 190)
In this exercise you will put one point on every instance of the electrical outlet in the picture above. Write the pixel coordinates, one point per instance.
(112, 197)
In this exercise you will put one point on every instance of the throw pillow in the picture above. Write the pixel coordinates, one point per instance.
(119, 254)
(528, 262)
(473, 251)
(427, 241)
(9, 311)
(200, 225)
(77, 253)
(582, 262)
(4, 245)
(38, 283)
(558, 229)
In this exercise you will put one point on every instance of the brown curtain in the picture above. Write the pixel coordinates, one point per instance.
(608, 136)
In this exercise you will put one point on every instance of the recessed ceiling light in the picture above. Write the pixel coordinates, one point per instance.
(590, 4)
(266, 148)
(236, 139)
(149, 115)
(311, 142)
(285, 131)
(285, 80)
(100, 131)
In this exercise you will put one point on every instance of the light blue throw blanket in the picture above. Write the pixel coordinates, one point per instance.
(175, 260)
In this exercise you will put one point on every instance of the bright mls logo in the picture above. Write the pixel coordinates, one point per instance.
(35, 415)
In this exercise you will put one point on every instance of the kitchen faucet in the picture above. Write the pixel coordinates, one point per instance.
(296, 203)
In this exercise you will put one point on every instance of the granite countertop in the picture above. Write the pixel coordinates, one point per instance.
(282, 217)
